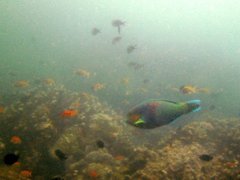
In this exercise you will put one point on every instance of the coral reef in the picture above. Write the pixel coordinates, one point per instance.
(125, 152)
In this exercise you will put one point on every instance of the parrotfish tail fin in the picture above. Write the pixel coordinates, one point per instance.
(119, 29)
(194, 105)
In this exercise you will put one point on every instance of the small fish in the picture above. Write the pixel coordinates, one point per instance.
(138, 66)
(206, 157)
(118, 23)
(95, 31)
(21, 84)
(132, 64)
(135, 65)
(69, 113)
(232, 164)
(154, 113)
(57, 178)
(16, 140)
(145, 81)
(116, 39)
(136, 165)
(131, 48)
(48, 81)
(62, 156)
(100, 144)
(98, 86)
(188, 89)
(83, 73)
(26, 173)
(93, 174)
(125, 81)
(119, 157)
(2, 109)
(10, 158)
(204, 90)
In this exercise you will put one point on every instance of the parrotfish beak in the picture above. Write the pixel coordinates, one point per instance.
(139, 121)
(194, 105)
(135, 120)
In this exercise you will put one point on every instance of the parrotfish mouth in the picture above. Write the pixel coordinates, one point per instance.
(140, 123)
(194, 105)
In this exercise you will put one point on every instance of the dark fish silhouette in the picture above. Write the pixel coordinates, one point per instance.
(10, 158)
(206, 157)
(95, 31)
(57, 178)
(116, 39)
(131, 48)
(118, 23)
(145, 81)
(62, 156)
(135, 65)
(100, 144)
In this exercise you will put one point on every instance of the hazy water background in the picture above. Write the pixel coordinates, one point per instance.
(179, 42)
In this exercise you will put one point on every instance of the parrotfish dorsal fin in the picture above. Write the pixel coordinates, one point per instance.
(170, 101)
(159, 100)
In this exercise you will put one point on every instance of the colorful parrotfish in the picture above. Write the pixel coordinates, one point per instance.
(154, 113)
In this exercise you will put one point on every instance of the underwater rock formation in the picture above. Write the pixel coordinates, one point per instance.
(50, 118)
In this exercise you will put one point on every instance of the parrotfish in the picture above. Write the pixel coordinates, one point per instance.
(155, 113)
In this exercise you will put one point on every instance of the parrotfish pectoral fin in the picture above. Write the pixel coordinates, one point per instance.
(139, 121)
(194, 105)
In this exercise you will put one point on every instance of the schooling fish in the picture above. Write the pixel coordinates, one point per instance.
(206, 157)
(62, 156)
(154, 113)
(11, 158)
(118, 23)
(95, 31)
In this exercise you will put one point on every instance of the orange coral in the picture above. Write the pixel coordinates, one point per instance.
(16, 140)
(69, 113)
(232, 164)
(2, 109)
(26, 173)
(119, 157)
(93, 174)
(17, 163)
